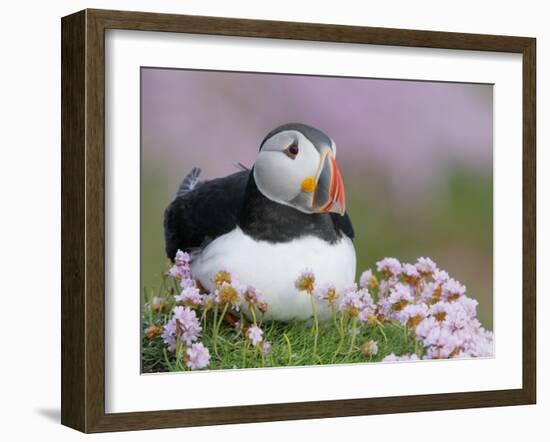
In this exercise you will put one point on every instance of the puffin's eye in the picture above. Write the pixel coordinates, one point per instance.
(292, 150)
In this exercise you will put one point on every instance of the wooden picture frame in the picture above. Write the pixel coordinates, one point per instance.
(83, 219)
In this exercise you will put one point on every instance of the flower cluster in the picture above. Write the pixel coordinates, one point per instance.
(430, 309)
(180, 270)
(184, 326)
(357, 302)
(420, 297)
(433, 306)
(192, 302)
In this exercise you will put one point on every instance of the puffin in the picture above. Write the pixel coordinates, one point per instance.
(267, 224)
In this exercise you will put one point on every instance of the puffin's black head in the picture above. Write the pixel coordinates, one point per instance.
(296, 166)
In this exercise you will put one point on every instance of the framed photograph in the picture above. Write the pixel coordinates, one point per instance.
(270, 220)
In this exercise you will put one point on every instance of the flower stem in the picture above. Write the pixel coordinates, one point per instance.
(353, 333)
(145, 299)
(217, 327)
(289, 347)
(203, 319)
(215, 331)
(381, 328)
(337, 352)
(167, 360)
(245, 349)
(253, 312)
(179, 354)
(316, 324)
(162, 285)
(219, 324)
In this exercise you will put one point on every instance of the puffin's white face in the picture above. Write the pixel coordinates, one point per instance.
(290, 170)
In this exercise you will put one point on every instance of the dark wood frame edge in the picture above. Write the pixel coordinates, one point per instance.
(83, 231)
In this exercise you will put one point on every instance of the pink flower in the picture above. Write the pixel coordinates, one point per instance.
(368, 308)
(187, 281)
(190, 297)
(306, 281)
(386, 285)
(410, 274)
(440, 276)
(370, 348)
(393, 358)
(352, 302)
(367, 315)
(400, 296)
(439, 311)
(383, 308)
(329, 294)
(182, 258)
(452, 290)
(389, 267)
(169, 334)
(158, 304)
(469, 305)
(457, 317)
(254, 297)
(255, 333)
(184, 325)
(198, 356)
(208, 301)
(266, 347)
(228, 294)
(179, 272)
(428, 292)
(425, 266)
(442, 343)
(368, 280)
(412, 315)
(225, 277)
(475, 341)
(180, 269)
(480, 344)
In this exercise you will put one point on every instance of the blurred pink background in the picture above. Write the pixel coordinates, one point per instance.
(408, 128)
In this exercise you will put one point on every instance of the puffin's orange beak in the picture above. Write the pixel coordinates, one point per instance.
(337, 192)
(329, 195)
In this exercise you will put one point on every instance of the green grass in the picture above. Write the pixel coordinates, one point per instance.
(292, 344)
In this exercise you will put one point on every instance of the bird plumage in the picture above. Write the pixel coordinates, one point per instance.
(190, 181)
(215, 207)
(196, 217)
(269, 223)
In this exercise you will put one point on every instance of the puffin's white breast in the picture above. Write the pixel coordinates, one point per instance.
(273, 268)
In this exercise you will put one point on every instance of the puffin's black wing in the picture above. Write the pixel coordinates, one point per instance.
(343, 223)
(205, 211)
